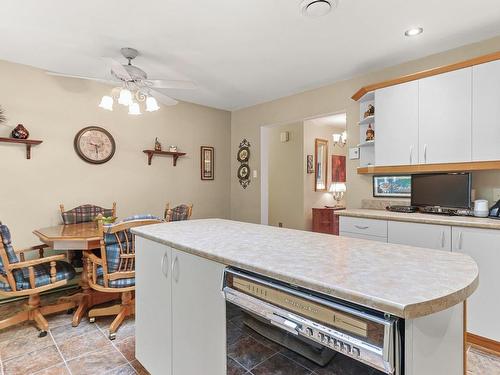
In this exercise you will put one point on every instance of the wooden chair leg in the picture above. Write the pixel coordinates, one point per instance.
(20, 317)
(40, 321)
(105, 311)
(117, 323)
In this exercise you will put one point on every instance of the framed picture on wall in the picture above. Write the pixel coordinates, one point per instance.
(207, 163)
(338, 168)
(392, 186)
(310, 164)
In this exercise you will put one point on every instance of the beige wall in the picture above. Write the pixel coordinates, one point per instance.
(318, 198)
(54, 109)
(286, 171)
(246, 123)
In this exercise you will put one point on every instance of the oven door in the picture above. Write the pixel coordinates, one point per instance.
(357, 333)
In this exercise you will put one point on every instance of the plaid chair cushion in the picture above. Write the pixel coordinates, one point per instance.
(85, 214)
(11, 254)
(179, 213)
(64, 271)
(113, 241)
(120, 283)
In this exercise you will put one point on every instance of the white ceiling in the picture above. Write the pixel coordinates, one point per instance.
(338, 120)
(240, 52)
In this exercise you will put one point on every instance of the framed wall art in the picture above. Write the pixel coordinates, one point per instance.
(338, 168)
(243, 156)
(207, 162)
(392, 186)
(310, 164)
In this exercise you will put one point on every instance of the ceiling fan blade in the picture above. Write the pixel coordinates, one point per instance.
(107, 81)
(170, 84)
(118, 69)
(162, 98)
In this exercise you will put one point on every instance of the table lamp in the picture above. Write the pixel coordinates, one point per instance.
(337, 189)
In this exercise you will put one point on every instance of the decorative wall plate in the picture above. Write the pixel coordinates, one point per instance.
(243, 156)
(94, 145)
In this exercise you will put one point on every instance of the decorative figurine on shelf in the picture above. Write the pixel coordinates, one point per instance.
(370, 111)
(370, 133)
(172, 149)
(20, 132)
(157, 145)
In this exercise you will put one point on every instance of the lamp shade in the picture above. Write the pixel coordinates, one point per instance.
(106, 103)
(336, 138)
(337, 187)
(125, 97)
(151, 104)
(133, 109)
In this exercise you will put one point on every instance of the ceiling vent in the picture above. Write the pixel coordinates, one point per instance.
(317, 8)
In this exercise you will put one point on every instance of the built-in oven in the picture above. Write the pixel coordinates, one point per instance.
(367, 336)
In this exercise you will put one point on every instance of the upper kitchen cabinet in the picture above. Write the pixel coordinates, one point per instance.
(397, 124)
(445, 106)
(486, 111)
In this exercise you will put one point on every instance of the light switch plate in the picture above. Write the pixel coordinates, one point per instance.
(354, 153)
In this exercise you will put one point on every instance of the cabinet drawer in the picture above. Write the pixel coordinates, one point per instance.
(369, 227)
(363, 236)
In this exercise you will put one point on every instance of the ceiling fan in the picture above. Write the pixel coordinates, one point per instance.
(134, 85)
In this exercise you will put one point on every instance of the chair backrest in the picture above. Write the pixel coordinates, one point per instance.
(118, 243)
(181, 212)
(8, 256)
(85, 213)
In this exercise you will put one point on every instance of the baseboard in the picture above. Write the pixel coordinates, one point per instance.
(483, 342)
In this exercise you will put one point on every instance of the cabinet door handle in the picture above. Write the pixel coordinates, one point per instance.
(361, 227)
(460, 240)
(411, 154)
(175, 269)
(442, 238)
(164, 264)
(425, 153)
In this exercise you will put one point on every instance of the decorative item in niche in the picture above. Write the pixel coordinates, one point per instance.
(392, 186)
(310, 164)
(338, 168)
(157, 144)
(20, 132)
(172, 148)
(94, 145)
(370, 133)
(243, 156)
(207, 162)
(370, 111)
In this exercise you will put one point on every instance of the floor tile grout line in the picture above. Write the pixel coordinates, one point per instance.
(258, 364)
(60, 353)
(119, 351)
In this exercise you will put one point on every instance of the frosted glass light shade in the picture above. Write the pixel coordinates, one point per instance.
(106, 103)
(336, 138)
(125, 97)
(338, 187)
(151, 104)
(133, 109)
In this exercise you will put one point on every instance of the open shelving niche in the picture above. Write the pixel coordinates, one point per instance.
(366, 148)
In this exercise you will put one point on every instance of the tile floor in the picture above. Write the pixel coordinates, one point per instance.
(87, 350)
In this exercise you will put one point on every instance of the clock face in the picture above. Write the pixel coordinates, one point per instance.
(94, 145)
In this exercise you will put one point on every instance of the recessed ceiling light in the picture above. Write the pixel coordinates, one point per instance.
(414, 31)
(317, 8)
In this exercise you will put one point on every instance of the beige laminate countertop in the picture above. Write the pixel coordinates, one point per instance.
(401, 280)
(460, 221)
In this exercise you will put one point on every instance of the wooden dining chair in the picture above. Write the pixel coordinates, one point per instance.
(114, 271)
(83, 214)
(20, 277)
(181, 212)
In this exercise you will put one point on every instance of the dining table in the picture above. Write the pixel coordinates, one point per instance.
(86, 238)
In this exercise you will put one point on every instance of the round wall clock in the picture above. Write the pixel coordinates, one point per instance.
(243, 154)
(94, 145)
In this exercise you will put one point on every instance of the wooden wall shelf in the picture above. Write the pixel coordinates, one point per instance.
(430, 168)
(175, 155)
(426, 73)
(27, 142)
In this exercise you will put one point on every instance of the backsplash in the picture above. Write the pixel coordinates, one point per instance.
(381, 204)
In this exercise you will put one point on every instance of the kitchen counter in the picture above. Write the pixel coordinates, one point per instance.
(401, 280)
(460, 221)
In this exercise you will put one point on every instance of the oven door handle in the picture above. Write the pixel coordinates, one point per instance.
(283, 323)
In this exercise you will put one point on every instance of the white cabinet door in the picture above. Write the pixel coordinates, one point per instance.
(486, 111)
(445, 106)
(397, 125)
(153, 306)
(421, 235)
(483, 307)
(198, 316)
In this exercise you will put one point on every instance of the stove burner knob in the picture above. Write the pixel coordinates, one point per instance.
(355, 351)
(347, 348)
(321, 336)
(309, 332)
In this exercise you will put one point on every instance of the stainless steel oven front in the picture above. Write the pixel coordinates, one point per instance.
(362, 334)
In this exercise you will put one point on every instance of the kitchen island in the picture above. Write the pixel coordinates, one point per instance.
(180, 309)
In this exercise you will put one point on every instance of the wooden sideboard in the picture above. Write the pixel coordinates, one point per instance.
(325, 220)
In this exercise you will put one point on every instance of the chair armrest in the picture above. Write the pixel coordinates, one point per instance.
(34, 262)
(40, 249)
(94, 259)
